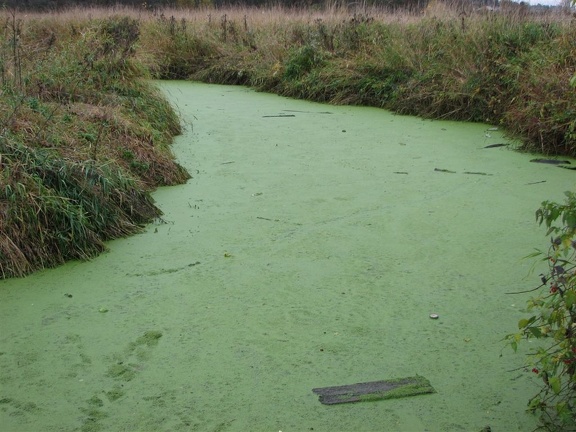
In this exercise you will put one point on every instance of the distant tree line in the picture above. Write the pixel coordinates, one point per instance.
(62, 4)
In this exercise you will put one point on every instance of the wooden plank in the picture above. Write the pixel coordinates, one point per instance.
(375, 390)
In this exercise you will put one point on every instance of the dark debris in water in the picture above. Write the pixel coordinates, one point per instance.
(551, 161)
(496, 145)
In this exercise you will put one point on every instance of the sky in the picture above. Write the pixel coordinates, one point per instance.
(545, 2)
(542, 2)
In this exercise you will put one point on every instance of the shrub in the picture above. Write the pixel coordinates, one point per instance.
(552, 320)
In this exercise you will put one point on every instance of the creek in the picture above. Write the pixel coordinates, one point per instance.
(308, 250)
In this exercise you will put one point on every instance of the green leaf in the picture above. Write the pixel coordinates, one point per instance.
(570, 219)
(534, 404)
(555, 384)
(551, 230)
(534, 254)
(563, 411)
(523, 323)
(536, 331)
(569, 298)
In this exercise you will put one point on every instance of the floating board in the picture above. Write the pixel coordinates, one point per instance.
(376, 390)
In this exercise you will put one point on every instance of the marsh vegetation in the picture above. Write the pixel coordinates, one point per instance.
(85, 136)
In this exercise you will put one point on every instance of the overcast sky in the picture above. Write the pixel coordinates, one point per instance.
(543, 2)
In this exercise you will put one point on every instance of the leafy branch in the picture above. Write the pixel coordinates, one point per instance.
(553, 320)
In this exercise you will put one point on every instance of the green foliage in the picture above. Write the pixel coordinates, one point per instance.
(552, 320)
(302, 61)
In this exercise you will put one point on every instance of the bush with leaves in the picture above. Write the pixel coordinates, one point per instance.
(553, 320)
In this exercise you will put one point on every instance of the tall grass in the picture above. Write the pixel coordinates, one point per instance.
(83, 139)
(510, 68)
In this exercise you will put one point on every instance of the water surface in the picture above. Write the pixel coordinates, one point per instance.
(308, 250)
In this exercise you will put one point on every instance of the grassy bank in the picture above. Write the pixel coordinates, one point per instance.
(84, 137)
(510, 68)
(83, 140)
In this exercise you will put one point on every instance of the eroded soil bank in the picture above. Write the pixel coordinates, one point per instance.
(308, 250)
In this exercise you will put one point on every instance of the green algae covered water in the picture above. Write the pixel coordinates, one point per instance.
(308, 250)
